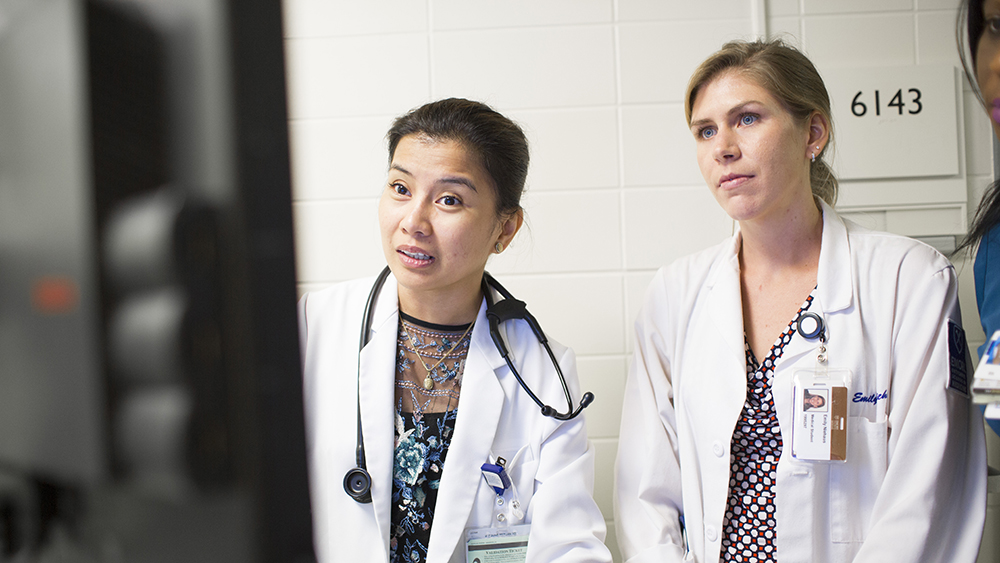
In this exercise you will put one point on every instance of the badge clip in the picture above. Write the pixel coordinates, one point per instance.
(496, 476)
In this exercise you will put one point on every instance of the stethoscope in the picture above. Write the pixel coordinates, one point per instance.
(358, 482)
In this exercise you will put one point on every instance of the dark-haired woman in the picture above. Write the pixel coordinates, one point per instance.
(440, 410)
(813, 401)
(716, 459)
(982, 34)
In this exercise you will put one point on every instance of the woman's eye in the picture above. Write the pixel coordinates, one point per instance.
(400, 189)
(449, 200)
(706, 133)
(992, 25)
(748, 119)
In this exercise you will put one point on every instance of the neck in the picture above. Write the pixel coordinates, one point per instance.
(452, 306)
(777, 244)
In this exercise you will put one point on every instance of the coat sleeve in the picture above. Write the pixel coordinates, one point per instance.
(647, 501)
(567, 525)
(931, 504)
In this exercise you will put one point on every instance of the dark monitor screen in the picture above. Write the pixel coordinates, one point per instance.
(150, 387)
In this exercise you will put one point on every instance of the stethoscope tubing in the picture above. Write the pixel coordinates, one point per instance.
(357, 481)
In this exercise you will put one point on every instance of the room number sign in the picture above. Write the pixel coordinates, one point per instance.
(897, 122)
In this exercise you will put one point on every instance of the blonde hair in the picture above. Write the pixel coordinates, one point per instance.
(786, 74)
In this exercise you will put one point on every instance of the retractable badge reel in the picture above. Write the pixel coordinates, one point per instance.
(819, 402)
(506, 511)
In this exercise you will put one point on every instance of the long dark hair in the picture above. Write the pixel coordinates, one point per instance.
(968, 31)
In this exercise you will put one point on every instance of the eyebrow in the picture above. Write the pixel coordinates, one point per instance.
(446, 180)
(735, 110)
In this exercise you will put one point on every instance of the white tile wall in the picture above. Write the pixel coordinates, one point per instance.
(781, 8)
(328, 79)
(855, 6)
(584, 312)
(337, 240)
(872, 40)
(937, 4)
(936, 37)
(662, 225)
(674, 10)
(323, 18)
(598, 86)
(604, 376)
(527, 67)
(338, 158)
(567, 231)
(658, 147)
(571, 148)
(658, 58)
(479, 14)
(788, 29)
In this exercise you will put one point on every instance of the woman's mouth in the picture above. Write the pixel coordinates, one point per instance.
(414, 257)
(730, 181)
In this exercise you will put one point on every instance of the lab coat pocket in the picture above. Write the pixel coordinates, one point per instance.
(522, 466)
(854, 484)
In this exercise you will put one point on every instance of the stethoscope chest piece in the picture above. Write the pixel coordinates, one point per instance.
(358, 484)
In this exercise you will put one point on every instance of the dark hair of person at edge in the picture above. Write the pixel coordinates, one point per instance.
(968, 33)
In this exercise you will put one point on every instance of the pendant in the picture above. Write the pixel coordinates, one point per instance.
(428, 382)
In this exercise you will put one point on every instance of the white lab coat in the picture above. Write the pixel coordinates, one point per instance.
(550, 462)
(914, 486)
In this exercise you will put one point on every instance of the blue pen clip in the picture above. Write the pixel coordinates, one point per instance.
(991, 356)
(496, 476)
(684, 535)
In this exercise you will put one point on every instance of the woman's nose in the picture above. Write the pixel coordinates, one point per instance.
(416, 221)
(726, 147)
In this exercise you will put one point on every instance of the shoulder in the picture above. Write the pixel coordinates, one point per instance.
(340, 301)
(879, 252)
(688, 275)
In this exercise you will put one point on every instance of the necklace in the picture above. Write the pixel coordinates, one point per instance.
(428, 380)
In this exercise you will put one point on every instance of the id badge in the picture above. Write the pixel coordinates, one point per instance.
(497, 545)
(819, 411)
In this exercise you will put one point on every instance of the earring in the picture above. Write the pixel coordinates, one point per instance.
(814, 157)
(498, 247)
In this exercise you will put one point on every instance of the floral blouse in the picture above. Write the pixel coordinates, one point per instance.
(426, 409)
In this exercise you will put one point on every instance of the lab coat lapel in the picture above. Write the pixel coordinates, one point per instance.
(479, 409)
(726, 304)
(836, 268)
(725, 365)
(378, 361)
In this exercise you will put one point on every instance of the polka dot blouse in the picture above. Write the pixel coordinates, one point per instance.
(749, 526)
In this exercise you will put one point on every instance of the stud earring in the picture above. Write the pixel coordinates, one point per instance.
(498, 247)
(814, 157)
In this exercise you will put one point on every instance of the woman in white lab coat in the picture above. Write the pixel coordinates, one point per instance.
(718, 459)
(437, 400)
